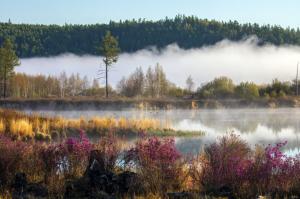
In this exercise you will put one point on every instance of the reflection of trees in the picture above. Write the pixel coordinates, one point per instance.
(192, 146)
(248, 120)
(244, 120)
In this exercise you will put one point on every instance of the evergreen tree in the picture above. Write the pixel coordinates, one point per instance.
(8, 61)
(110, 50)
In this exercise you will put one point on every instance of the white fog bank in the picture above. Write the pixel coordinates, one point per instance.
(241, 61)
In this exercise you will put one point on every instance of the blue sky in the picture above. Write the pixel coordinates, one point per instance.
(284, 13)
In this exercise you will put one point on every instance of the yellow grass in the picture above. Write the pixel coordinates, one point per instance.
(74, 123)
(2, 127)
(102, 123)
(45, 127)
(59, 123)
(21, 127)
(142, 124)
(41, 126)
(96, 123)
(122, 123)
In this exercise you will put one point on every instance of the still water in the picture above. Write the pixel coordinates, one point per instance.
(256, 126)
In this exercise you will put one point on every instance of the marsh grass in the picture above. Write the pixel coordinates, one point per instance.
(22, 126)
(2, 127)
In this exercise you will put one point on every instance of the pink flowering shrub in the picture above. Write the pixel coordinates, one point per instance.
(225, 163)
(78, 147)
(155, 151)
(271, 171)
(11, 158)
(283, 170)
(68, 158)
(247, 173)
(157, 162)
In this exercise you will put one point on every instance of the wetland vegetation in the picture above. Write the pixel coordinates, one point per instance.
(67, 136)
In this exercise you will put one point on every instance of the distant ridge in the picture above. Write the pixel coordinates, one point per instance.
(187, 32)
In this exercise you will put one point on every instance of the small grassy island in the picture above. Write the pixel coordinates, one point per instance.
(19, 125)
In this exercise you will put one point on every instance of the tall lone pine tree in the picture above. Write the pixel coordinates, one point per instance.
(110, 50)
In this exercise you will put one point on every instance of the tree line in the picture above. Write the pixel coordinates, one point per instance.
(151, 83)
(223, 87)
(40, 86)
(155, 84)
(186, 31)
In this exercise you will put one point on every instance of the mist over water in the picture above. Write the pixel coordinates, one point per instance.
(256, 126)
(242, 61)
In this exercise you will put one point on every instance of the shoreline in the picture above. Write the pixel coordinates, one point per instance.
(145, 104)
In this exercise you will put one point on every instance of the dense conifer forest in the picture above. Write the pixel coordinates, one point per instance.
(187, 32)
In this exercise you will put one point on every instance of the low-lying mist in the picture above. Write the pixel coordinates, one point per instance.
(242, 61)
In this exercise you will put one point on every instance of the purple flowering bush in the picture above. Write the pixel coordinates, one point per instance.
(283, 171)
(230, 164)
(224, 164)
(157, 161)
(12, 154)
(68, 158)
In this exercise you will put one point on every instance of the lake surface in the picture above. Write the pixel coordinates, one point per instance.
(256, 126)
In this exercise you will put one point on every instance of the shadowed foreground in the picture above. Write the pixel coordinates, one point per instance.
(151, 168)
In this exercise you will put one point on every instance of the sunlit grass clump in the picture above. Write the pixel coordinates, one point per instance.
(100, 123)
(108, 123)
(2, 127)
(21, 127)
(143, 124)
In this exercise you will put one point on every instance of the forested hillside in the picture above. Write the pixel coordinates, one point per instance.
(187, 32)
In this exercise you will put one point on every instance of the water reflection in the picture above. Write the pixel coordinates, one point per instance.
(257, 126)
